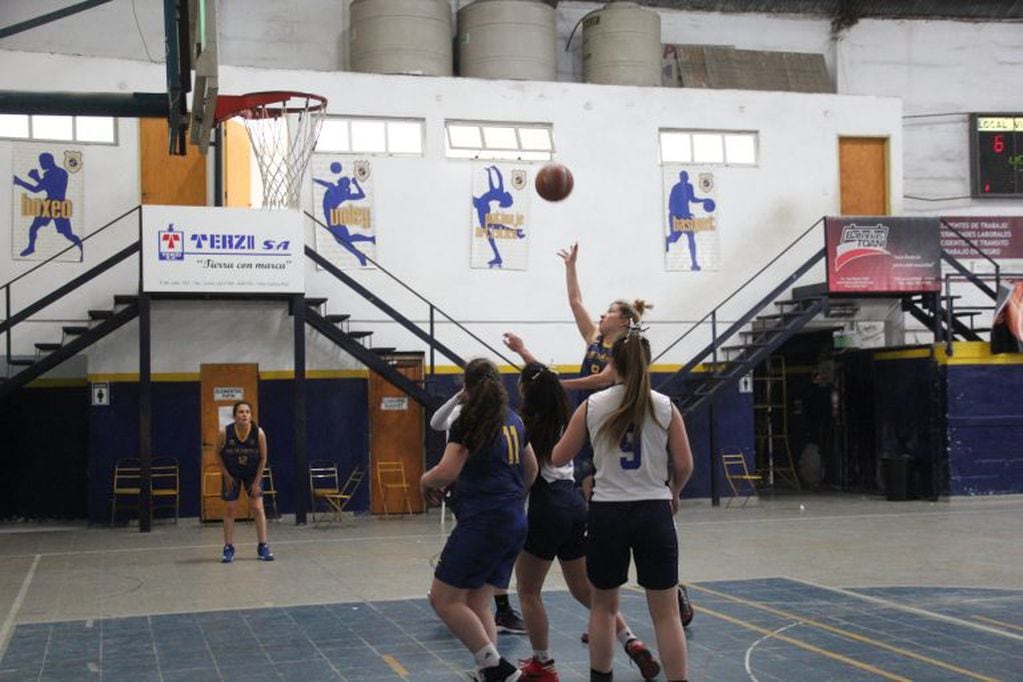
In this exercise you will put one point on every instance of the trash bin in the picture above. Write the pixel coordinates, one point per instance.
(895, 470)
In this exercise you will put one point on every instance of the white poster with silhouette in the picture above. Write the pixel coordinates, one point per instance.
(48, 202)
(343, 202)
(500, 216)
(691, 226)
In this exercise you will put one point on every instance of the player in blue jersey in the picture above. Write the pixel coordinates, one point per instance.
(242, 450)
(489, 458)
(642, 460)
(556, 528)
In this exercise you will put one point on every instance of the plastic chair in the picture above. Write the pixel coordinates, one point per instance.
(391, 476)
(127, 486)
(165, 485)
(269, 491)
(740, 480)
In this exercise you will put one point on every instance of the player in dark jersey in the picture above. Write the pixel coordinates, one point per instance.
(242, 450)
(492, 464)
(642, 460)
(556, 528)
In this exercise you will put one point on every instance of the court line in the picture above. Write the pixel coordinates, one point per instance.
(395, 666)
(8, 626)
(847, 634)
(1000, 623)
(913, 609)
(749, 650)
(801, 644)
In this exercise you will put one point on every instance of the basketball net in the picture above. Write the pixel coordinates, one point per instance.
(283, 128)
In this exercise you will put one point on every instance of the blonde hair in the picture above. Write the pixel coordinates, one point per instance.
(634, 311)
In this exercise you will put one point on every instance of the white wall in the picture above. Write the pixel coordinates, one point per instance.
(607, 134)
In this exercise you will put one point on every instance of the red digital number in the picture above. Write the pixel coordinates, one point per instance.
(998, 145)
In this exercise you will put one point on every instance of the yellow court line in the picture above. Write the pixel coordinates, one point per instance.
(395, 666)
(850, 635)
(998, 622)
(801, 644)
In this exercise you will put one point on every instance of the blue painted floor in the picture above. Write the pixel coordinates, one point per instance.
(767, 630)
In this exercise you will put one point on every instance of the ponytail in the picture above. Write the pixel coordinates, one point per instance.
(631, 356)
(544, 408)
(483, 411)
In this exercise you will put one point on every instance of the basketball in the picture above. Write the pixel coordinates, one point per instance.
(554, 182)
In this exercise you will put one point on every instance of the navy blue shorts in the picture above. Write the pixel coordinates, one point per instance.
(482, 548)
(556, 521)
(645, 528)
(230, 491)
(582, 464)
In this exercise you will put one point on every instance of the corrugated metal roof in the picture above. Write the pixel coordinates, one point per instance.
(978, 10)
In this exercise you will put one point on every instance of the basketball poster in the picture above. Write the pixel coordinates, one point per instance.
(883, 255)
(500, 216)
(48, 202)
(691, 227)
(343, 201)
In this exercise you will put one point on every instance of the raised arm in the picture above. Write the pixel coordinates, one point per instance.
(444, 417)
(516, 345)
(681, 456)
(591, 382)
(583, 320)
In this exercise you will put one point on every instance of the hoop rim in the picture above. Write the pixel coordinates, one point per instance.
(229, 106)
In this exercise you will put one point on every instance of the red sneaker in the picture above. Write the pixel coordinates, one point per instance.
(535, 671)
(648, 666)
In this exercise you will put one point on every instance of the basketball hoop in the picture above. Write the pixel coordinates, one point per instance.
(283, 127)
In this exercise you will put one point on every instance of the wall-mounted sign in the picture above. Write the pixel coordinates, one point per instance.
(883, 255)
(100, 393)
(394, 403)
(228, 393)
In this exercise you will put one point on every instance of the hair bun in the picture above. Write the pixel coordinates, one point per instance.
(641, 306)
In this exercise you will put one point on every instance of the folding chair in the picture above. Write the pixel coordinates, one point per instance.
(740, 480)
(269, 492)
(391, 476)
(127, 486)
(165, 485)
(212, 485)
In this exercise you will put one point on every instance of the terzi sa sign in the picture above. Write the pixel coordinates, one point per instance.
(194, 249)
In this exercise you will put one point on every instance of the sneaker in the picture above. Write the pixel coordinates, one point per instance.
(508, 620)
(685, 607)
(228, 555)
(263, 552)
(535, 671)
(502, 672)
(648, 666)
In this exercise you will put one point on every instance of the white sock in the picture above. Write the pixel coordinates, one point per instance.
(487, 657)
(625, 634)
(542, 655)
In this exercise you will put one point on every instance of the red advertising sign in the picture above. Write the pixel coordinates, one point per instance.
(883, 255)
(1000, 237)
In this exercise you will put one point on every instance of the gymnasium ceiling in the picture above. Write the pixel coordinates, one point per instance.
(850, 11)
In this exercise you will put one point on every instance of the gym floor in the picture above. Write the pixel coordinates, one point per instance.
(815, 587)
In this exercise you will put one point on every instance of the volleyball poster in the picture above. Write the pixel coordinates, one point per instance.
(500, 216)
(343, 201)
(691, 229)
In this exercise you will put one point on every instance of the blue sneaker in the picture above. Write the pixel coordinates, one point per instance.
(228, 556)
(263, 552)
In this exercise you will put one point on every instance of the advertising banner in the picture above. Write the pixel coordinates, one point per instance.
(1000, 237)
(199, 249)
(882, 255)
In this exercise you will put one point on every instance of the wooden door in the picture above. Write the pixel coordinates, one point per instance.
(863, 175)
(396, 433)
(221, 386)
(165, 178)
(237, 165)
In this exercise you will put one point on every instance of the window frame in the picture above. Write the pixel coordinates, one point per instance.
(32, 137)
(348, 120)
(722, 134)
(485, 153)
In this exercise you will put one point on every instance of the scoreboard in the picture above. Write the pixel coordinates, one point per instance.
(996, 155)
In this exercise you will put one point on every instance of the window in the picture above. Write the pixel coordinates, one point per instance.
(92, 129)
(371, 136)
(709, 147)
(486, 140)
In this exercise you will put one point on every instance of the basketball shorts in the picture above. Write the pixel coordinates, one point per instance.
(556, 521)
(231, 490)
(644, 528)
(482, 548)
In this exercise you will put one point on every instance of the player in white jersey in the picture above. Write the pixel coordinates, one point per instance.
(642, 460)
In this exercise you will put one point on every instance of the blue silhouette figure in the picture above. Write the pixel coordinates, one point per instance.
(345, 189)
(482, 205)
(683, 194)
(54, 183)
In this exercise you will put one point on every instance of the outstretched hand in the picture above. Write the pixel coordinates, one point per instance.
(513, 342)
(569, 255)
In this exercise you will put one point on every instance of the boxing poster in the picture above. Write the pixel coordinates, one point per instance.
(343, 202)
(500, 216)
(691, 229)
(48, 202)
(883, 255)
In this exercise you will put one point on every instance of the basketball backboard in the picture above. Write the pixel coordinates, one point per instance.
(202, 24)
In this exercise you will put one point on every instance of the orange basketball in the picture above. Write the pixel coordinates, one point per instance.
(554, 182)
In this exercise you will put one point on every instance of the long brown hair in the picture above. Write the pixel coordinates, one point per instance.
(486, 402)
(631, 356)
(544, 408)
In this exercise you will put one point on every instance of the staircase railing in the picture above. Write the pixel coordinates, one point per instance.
(428, 336)
(716, 339)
